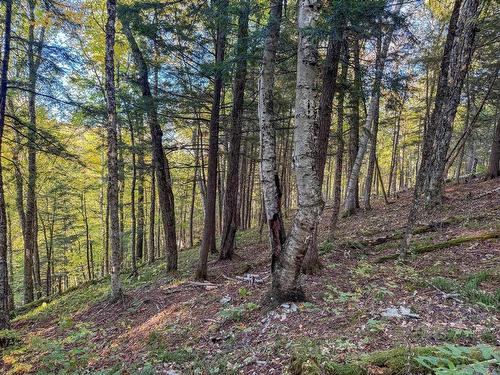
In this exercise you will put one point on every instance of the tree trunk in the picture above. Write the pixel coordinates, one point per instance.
(454, 66)
(232, 183)
(286, 284)
(213, 142)
(494, 161)
(395, 149)
(116, 256)
(350, 201)
(140, 193)
(339, 158)
(371, 162)
(133, 220)
(354, 119)
(193, 191)
(152, 211)
(311, 261)
(165, 194)
(268, 169)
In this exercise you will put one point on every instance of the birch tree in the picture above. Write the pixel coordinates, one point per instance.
(270, 182)
(286, 284)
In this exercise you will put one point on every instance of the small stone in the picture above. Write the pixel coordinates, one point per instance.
(226, 299)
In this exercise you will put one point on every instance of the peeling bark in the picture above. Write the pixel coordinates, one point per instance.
(286, 284)
(270, 182)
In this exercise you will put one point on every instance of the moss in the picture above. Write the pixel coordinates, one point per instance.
(9, 337)
(309, 361)
(443, 245)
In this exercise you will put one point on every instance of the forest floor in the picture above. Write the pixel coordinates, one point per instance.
(173, 325)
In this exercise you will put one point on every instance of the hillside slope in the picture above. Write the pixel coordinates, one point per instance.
(170, 324)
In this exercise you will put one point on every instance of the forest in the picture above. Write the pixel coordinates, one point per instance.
(250, 187)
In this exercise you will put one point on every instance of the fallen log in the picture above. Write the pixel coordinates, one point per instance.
(442, 245)
(398, 234)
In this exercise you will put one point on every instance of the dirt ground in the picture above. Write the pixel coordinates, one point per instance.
(174, 325)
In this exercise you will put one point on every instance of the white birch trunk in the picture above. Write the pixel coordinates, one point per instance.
(286, 278)
(268, 167)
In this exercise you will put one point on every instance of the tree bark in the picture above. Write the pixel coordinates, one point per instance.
(152, 211)
(4, 277)
(395, 149)
(454, 66)
(139, 246)
(213, 143)
(311, 261)
(116, 256)
(268, 169)
(371, 161)
(494, 161)
(286, 285)
(354, 119)
(165, 194)
(232, 183)
(339, 157)
(133, 219)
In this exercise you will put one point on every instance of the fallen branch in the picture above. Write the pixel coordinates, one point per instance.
(452, 296)
(442, 245)
(487, 193)
(397, 235)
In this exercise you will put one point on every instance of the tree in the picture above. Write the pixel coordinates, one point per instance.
(4, 277)
(329, 76)
(270, 182)
(350, 200)
(286, 275)
(230, 224)
(162, 170)
(116, 256)
(455, 62)
(454, 66)
(339, 156)
(494, 161)
(213, 142)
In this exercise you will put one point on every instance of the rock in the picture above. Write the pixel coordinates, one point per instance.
(226, 299)
(399, 312)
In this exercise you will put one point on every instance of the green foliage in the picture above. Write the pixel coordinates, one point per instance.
(244, 292)
(470, 289)
(459, 360)
(364, 269)
(326, 247)
(9, 337)
(161, 353)
(456, 335)
(375, 326)
(333, 294)
(232, 313)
